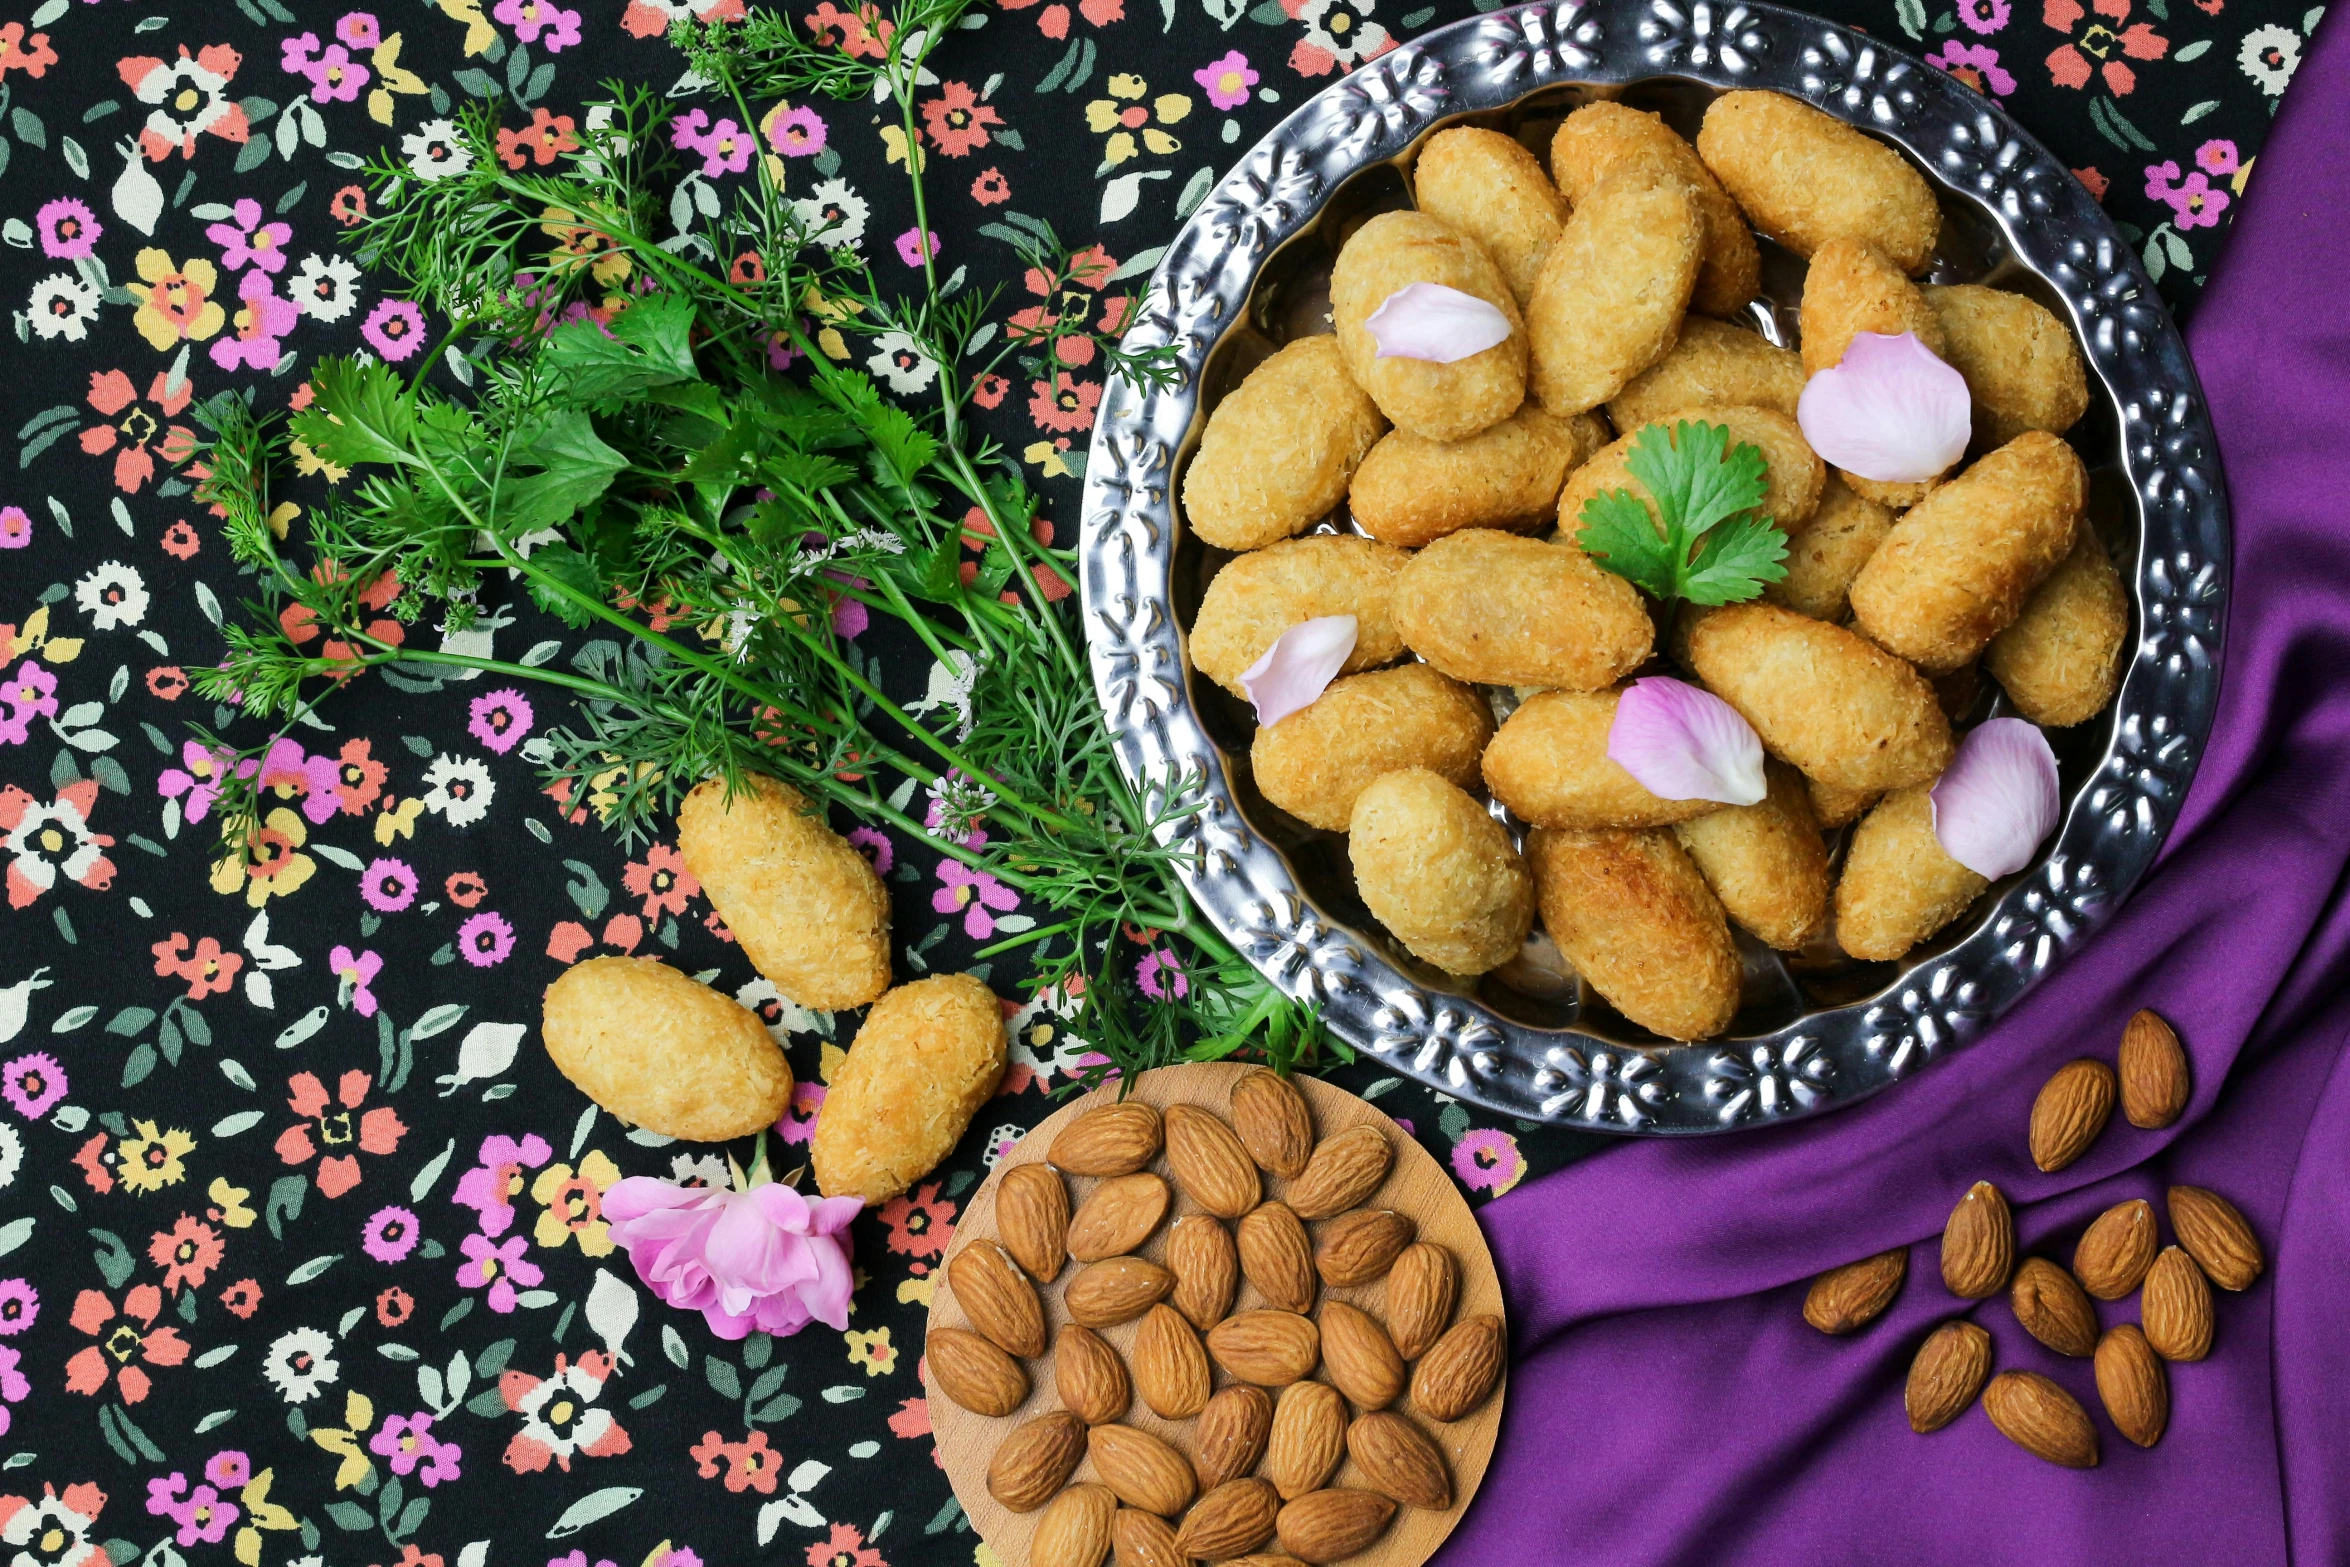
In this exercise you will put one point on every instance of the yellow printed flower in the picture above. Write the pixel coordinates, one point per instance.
(343, 1442)
(397, 820)
(479, 34)
(1049, 456)
(260, 1513)
(175, 302)
(154, 1159)
(873, 1351)
(392, 77)
(575, 1204)
(308, 462)
(35, 638)
(228, 1204)
(918, 1292)
(1123, 115)
(893, 142)
(271, 866)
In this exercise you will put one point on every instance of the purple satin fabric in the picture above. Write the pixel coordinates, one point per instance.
(1668, 1404)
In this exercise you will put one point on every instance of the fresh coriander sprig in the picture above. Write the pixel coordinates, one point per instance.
(1705, 539)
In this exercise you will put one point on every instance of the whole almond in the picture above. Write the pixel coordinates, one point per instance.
(2041, 1418)
(1170, 1369)
(1422, 1285)
(1116, 1139)
(1117, 1216)
(1454, 1376)
(2072, 1109)
(1115, 1290)
(2116, 1250)
(1231, 1434)
(2216, 1236)
(1399, 1460)
(1208, 1162)
(1036, 1460)
(2155, 1081)
(1234, 1518)
(998, 1298)
(974, 1373)
(1847, 1299)
(1075, 1530)
(1032, 1219)
(1978, 1243)
(1949, 1370)
(1274, 1125)
(2131, 1383)
(1308, 1438)
(1343, 1171)
(1143, 1470)
(1269, 1348)
(1144, 1540)
(2176, 1307)
(1357, 1247)
(1277, 1258)
(1358, 1357)
(1206, 1267)
(1089, 1376)
(1328, 1526)
(2053, 1308)
(1262, 1559)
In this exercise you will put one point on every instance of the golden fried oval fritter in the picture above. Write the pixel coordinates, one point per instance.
(1613, 288)
(1442, 402)
(807, 908)
(1487, 186)
(1257, 596)
(2020, 362)
(663, 1051)
(1711, 364)
(929, 1055)
(1316, 762)
(1497, 609)
(1804, 178)
(1767, 861)
(1412, 491)
(1899, 886)
(1549, 764)
(1605, 135)
(2061, 660)
(1280, 448)
(1439, 872)
(1638, 922)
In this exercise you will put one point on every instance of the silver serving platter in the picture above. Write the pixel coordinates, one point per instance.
(1249, 270)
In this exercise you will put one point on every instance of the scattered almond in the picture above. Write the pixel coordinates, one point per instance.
(1036, 1460)
(1208, 1162)
(1231, 1434)
(2053, 1308)
(1360, 1246)
(1343, 1171)
(1328, 1526)
(1358, 1357)
(1422, 1285)
(1277, 1258)
(1274, 1125)
(2072, 1109)
(1847, 1299)
(2176, 1307)
(1206, 1268)
(1032, 1219)
(1144, 1540)
(1115, 1139)
(2131, 1383)
(1075, 1530)
(1978, 1243)
(1142, 1469)
(1949, 1370)
(1170, 1369)
(1117, 1216)
(998, 1298)
(2216, 1236)
(974, 1373)
(1308, 1438)
(1455, 1376)
(1089, 1376)
(1269, 1348)
(2041, 1418)
(1399, 1460)
(1115, 1290)
(1234, 1518)
(2154, 1077)
(2116, 1250)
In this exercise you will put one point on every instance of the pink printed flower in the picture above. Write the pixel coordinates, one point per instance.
(796, 132)
(30, 694)
(357, 970)
(874, 844)
(47, 841)
(15, 1388)
(295, 774)
(491, 1186)
(561, 1418)
(246, 241)
(540, 24)
(2217, 158)
(1226, 81)
(16, 528)
(975, 893)
(725, 147)
(33, 1085)
(1488, 1160)
(766, 1258)
(69, 230)
(255, 338)
(342, 1133)
(910, 246)
(2195, 201)
(1984, 16)
(388, 885)
(203, 1517)
(333, 75)
(394, 329)
(486, 940)
(407, 1441)
(197, 783)
(497, 1266)
(360, 30)
(500, 719)
(1161, 976)
(131, 1336)
(2091, 51)
(391, 1234)
(1977, 65)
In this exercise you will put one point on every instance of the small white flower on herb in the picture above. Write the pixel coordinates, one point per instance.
(833, 214)
(898, 358)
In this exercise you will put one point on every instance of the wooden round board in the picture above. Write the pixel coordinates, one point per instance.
(1417, 1186)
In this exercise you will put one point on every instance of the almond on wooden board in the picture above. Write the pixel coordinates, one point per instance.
(1075, 1530)
(2131, 1384)
(1113, 1139)
(1142, 1469)
(1117, 1216)
(1847, 1299)
(1343, 1171)
(1231, 1434)
(1331, 1525)
(1089, 1376)
(1115, 1290)
(1357, 1247)
(2155, 1080)
(1308, 1438)
(2216, 1236)
(2116, 1250)
(974, 1373)
(1277, 1257)
(1269, 1348)
(1978, 1243)
(1235, 1518)
(1422, 1285)
(2041, 1418)
(1032, 1219)
(1274, 1125)
(998, 1299)
(1358, 1358)
(2073, 1107)
(2175, 1307)
(1036, 1460)
(1206, 1266)
(1455, 1376)
(1950, 1369)
(2053, 1308)
(1208, 1162)
(1399, 1460)
(1170, 1368)
(1144, 1540)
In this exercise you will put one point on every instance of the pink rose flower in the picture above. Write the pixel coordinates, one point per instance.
(767, 1258)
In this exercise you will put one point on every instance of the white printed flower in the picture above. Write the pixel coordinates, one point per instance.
(833, 214)
(2269, 55)
(62, 306)
(899, 359)
(459, 789)
(326, 287)
(1344, 29)
(704, 1169)
(11, 1154)
(301, 1363)
(435, 151)
(113, 596)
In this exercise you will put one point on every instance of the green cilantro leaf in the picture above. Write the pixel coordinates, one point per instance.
(1705, 540)
(361, 414)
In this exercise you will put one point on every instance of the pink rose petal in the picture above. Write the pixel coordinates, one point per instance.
(1683, 743)
(1432, 322)
(1299, 666)
(1891, 411)
(1998, 799)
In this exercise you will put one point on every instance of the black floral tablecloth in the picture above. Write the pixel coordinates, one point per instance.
(301, 1252)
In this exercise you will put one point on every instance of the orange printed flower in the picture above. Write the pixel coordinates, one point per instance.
(138, 430)
(15, 55)
(208, 970)
(864, 32)
(133, 1336)
(187, 1252)
(376, 1132)
(547, 136)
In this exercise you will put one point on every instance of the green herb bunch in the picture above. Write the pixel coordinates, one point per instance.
(686, 472)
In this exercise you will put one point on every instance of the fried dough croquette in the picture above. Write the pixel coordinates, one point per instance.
(1256, 597)
(1613, 288)
(1280, 448)
(1711, 364)
(1852, 287)
(1638, 922)
(1804, 178)
(1442, 402)
(1411, 491)
(1827, 551)
(1316, 762)
(1766, 861)
(663, 1051)
(809, 911)
(1549, 764)
(1605, 135)
(2022, 368)
(1496, 609)
(1792, 472)
(2061, 660)
(929, 1055)
(1899, 886)
(1834, 807)
(1439, 872)
(1490, 188)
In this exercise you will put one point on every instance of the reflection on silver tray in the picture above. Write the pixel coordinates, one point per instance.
(1250, 270)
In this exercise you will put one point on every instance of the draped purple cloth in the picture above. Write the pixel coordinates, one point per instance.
(1668, 1405)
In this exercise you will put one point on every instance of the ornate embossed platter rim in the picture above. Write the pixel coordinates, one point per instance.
(2115, 821)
